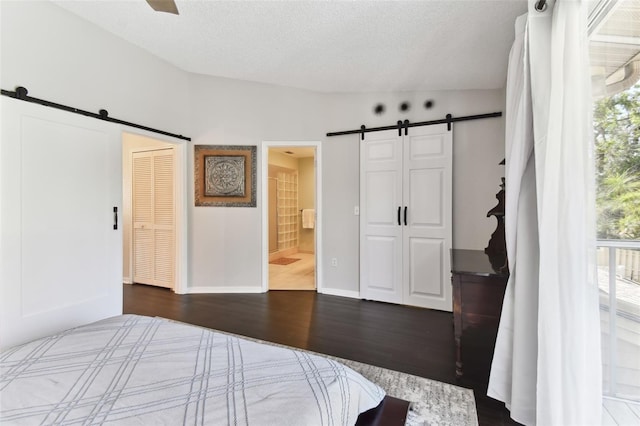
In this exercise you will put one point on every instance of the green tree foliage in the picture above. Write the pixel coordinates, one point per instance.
(617, 148)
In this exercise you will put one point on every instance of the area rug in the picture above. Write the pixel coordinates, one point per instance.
(283, 261)
(433, 403)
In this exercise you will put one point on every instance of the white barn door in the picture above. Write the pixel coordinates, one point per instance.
(405, 217)
(380, 217)
(427, 232)
(153, 218)
(61, 258)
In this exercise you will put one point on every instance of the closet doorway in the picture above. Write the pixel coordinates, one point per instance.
(152, 211)
(290, 216)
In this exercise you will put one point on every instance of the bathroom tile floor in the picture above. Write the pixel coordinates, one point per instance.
(299, 275)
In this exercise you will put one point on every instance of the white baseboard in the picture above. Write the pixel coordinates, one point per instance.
(213, 290)
(195, 290)
(343, 293)
(127, 280)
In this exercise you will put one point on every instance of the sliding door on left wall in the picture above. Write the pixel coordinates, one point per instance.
(61, 242)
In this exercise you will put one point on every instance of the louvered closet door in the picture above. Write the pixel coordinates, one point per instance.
(153, 218)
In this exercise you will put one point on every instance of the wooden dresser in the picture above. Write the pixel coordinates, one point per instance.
(478, 290)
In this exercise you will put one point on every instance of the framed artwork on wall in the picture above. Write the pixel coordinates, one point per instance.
(225, 175)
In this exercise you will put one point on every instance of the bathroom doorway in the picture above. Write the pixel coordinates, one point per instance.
(290, 216)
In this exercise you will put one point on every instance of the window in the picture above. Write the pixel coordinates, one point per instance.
(617, 152)
(614, 30)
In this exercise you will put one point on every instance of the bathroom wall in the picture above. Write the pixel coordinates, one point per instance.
(281, 213)
(288, 212)
(281, 160)
(306, 200)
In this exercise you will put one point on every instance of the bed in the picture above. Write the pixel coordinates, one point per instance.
(132, 369)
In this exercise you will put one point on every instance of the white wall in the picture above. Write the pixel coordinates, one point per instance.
(60, 57)
(225, 242)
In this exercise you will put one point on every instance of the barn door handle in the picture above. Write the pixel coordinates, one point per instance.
(399, 223)
(405, 215)
(115, 218)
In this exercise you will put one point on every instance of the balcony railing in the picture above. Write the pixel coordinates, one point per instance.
(618, 279)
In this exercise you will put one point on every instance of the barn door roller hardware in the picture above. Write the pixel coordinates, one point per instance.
(103, 114)
(449, 120)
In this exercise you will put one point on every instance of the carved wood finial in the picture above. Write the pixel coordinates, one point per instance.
(497, 248)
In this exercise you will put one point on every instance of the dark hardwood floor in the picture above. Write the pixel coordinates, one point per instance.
(411, 340)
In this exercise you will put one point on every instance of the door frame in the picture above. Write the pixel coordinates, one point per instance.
(181, 205)
(264, 164)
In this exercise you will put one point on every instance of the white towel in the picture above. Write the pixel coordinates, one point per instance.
(308, 218)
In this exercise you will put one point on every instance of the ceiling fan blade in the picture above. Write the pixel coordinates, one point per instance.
(168, 6)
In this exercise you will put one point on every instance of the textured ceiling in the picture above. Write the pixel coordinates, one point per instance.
(348, 46)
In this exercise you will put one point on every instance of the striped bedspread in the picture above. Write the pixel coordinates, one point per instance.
(141, 370)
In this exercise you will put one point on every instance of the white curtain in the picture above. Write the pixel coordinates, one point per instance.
(547, 363)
